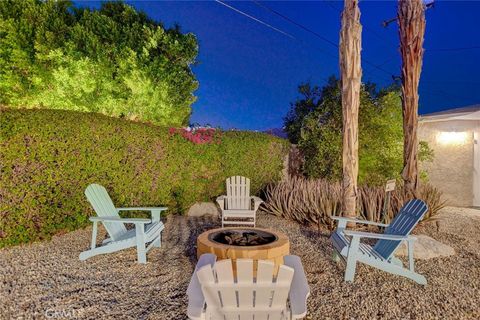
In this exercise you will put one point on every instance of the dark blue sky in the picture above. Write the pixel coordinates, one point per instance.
(249, 73)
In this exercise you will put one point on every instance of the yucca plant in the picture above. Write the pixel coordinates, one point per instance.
(316, 200)
(304, 200)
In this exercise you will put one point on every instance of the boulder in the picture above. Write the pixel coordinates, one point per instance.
(425, 247)
(202, 208)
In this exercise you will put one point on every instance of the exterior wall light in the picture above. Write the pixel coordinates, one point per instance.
(446, 137)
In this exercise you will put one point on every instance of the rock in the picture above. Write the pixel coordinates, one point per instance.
(202, 208)
(426, 248)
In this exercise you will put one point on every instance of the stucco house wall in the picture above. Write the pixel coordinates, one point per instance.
(452, 170)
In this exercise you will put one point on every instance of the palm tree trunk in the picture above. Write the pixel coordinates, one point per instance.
(351, 74)
(411, 20)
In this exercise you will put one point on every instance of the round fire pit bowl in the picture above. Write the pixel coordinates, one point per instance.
(244, 242)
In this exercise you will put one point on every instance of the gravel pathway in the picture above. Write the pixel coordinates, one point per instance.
(46, 280)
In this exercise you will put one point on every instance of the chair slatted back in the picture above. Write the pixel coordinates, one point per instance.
(238, 193)
(98, 197)
(260, 299)
(403, 223)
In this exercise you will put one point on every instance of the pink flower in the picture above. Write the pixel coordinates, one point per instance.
(198, 135)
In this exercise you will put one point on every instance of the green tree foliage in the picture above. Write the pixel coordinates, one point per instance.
(49, 157)
(114, 60)
(315, 124)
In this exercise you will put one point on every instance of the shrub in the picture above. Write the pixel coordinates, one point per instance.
(48, 157)
(315, 124)
(114, 60)
(315, 200)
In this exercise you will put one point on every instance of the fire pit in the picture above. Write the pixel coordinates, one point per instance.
(247, 237)
(236, 243)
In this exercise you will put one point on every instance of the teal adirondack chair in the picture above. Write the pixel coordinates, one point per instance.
(145, 231)
(348, 246)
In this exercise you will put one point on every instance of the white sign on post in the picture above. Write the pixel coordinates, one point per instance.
(390, 186)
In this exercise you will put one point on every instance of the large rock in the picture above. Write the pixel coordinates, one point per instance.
(202, 208)
(426, 248)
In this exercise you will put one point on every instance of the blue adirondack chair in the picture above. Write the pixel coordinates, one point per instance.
(145, 231)
(348, 246)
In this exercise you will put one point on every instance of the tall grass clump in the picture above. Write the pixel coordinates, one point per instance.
(313, 201)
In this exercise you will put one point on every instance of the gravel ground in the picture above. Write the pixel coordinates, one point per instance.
(46, 280)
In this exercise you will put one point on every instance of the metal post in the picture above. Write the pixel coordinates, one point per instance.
(389, 187)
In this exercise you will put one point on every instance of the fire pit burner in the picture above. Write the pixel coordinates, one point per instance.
(243, 237)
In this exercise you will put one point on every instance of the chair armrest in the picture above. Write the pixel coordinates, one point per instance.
(142, 209)
(154, 211)
(378, 235)
(120, 220)
(299, 290)
(256, 202)
(359, 221)
(196, 300)
(221, 202)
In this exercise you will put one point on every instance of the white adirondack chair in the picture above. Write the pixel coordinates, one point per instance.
(146, 230)
(238, 203)
(348, 246)
(213, 290)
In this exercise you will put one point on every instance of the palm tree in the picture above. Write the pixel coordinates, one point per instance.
(351, 75)
(411, 20)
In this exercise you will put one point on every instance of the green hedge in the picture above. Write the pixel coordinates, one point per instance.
(48, 157)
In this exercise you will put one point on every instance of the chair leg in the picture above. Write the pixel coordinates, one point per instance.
(109, 248)
(411, 264)
(418, 278)
(158, 242)
(140, 238)
(401, 271)
(94, 234)
(352, 259)
(335, 256)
